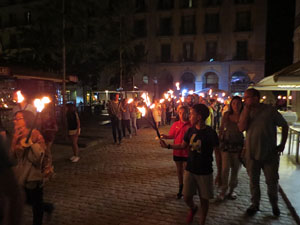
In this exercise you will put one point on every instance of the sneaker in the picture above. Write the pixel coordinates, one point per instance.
(252, 210)
(72, 158)
(191, 215)
(276, 211)
(232, 195)
(76, 159)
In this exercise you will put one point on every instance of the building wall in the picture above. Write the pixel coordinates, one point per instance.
(225, 63)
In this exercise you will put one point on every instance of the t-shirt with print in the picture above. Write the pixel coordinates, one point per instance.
(201, 143)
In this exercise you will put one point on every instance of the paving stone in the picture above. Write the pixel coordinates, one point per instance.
(136, 184)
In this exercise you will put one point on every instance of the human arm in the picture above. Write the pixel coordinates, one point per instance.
(244, 119)
(78, 124)
(284, 135)
(181, 146)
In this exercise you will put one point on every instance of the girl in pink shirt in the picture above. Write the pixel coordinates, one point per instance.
(177, 132)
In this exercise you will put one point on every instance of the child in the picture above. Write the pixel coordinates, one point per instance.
(201, 141)
(177, 132)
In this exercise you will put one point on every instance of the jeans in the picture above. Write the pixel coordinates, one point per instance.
(116, 127)
(126, 124)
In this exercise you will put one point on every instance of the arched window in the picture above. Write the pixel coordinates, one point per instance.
(188, 81)
(239, 82)
(210, 80)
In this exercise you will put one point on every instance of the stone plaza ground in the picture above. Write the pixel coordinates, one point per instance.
(136, 184)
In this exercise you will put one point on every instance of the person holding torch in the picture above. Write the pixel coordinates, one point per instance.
(33, 166)
(177, 132)
(201, 140)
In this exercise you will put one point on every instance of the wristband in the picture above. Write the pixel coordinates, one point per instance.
(169, 146)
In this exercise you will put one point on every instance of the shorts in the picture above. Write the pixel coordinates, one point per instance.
(179, 158)
(201, 183)
(73, 132)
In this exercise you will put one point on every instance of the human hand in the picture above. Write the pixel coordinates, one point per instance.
(24, 144)
(163, 144)
(280, 149)
(163, 136)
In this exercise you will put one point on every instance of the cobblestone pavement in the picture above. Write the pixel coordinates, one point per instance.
(136, 184)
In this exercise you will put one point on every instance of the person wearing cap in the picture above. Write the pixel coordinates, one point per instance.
(200, 140)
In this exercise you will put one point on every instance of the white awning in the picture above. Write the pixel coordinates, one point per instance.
(283, 80)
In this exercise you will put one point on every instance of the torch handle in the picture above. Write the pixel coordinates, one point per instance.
(30, 131)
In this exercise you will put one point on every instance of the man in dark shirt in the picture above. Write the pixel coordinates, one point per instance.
(201, 141)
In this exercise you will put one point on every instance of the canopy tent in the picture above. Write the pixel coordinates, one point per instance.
(287, 79)
(282, 84)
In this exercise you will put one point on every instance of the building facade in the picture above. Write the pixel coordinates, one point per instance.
(200, 43)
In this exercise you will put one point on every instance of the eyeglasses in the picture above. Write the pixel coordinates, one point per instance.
(17, 119)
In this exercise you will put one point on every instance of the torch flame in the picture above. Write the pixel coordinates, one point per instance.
(39, 105)
(166, 96)
(152, 106)
(130, 100)
(177, 85)
(46, 100)
(170, 91)
(142, 110)
(161, 101)
(20, 97)
(146, 99)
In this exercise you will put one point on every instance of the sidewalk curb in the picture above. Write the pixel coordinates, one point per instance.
(289, 205)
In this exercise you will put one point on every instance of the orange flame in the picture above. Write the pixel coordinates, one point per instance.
(177, 85)
(46, 100)
(39, 105)
(142, 110)
(20, 97)
(130, 101)
(161, 101)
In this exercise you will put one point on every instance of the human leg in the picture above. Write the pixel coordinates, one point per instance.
(180, 170)
(189, 190)
(134, 126)
(203, 210)
(34, 197)
(128, 127)
(235, 166)
(119, 130)
(218, 157)
(225, 174)
(123, 124)
(253, 170)
(114, 128)
(270, 170)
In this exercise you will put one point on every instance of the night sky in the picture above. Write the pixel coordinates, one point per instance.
(280, 29)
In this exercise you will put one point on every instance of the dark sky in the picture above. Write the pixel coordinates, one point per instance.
(280, 29)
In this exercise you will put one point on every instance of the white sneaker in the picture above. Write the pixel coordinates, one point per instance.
(72, 158)
(76, 159)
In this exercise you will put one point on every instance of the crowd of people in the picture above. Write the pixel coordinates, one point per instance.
(202, 127)
(241, 131)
